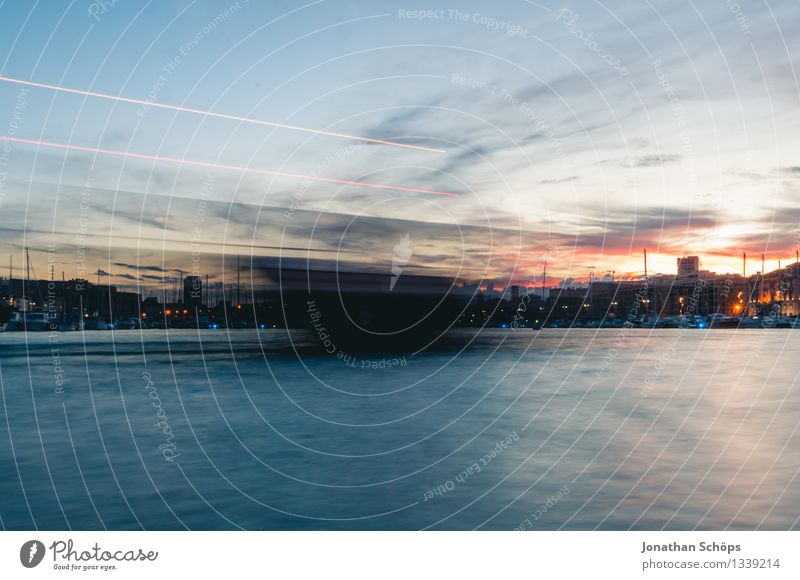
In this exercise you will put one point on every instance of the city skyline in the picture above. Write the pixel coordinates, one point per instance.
(170, 281)
(544, 164)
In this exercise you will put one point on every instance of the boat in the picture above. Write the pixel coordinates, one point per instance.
(70, 322)
(650, 322)
(127, 324)
(95, 323)
(31, 322)
(725, 322)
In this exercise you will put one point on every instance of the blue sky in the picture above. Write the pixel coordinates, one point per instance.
(580, 132)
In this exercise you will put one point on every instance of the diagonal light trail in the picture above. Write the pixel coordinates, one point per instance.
(216, 115)
(224, 166)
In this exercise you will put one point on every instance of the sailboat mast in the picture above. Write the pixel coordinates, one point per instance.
(645, 262)
(544, 278)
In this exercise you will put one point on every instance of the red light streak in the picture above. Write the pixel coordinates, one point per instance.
(216, 115)
(223, 166)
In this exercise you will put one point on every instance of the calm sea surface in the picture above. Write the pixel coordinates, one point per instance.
(558, 429)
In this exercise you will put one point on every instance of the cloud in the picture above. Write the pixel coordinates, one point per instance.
(563, 180)
(144, 268)
(650, 160)
(402, 122)
(654, 160)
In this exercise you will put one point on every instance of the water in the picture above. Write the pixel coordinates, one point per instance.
(560, 429)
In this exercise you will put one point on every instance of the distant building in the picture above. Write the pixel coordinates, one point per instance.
(125, 305)
(777, 291)
(689, 267)
(76, 297)
(567, 303)
(193, 291)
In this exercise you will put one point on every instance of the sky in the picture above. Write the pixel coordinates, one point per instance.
(579, 133)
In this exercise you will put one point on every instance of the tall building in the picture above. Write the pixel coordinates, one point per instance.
(689, 266)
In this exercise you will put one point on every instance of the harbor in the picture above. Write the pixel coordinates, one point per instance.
(691, 298)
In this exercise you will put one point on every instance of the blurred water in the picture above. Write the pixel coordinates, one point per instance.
(560, 429)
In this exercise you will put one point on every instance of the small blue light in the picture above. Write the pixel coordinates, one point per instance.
(262, 326)
(213, 326)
